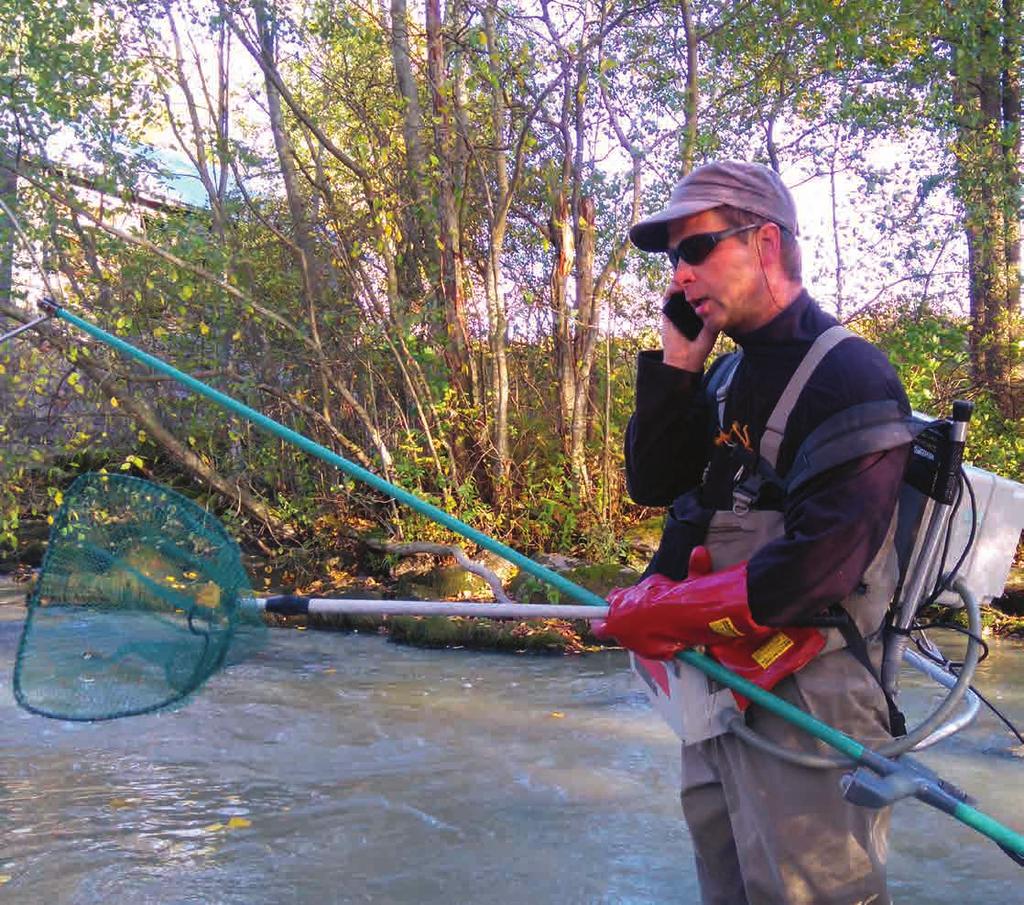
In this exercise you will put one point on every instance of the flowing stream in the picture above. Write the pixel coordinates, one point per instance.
(342, 768)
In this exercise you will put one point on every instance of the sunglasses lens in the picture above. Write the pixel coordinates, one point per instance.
(695, 249)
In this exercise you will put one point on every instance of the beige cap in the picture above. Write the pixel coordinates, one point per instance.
(748, 186)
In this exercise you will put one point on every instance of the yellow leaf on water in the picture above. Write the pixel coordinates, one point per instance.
(119, 803)
(208, 595)
(5, 878)
(113, 402)
(238, 823)
(213, 828)
(556, 715)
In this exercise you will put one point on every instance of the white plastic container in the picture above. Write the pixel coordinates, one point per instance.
(1000, 516)
(693, 705)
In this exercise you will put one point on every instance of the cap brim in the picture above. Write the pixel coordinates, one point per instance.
(651, 234)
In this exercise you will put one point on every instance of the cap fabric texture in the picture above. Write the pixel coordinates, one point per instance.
(748, 186)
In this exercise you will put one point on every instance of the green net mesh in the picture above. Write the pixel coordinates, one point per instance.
(138, 601)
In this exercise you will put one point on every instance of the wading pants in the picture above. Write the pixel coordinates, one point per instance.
(766, 832)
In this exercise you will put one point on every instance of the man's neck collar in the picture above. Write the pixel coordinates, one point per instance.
(780, 326)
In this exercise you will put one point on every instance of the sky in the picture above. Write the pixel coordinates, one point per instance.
(869, 264)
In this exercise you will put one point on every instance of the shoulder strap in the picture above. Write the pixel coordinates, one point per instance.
(856, 645)
(771, 440)
(860, 430)
(719, 381)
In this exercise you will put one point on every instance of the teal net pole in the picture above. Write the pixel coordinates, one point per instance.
(322, 452)
(1011, 841)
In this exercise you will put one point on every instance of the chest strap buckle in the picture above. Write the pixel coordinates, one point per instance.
(743, 497)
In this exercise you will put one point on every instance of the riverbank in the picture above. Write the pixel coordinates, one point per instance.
(364, 574)
(545, 636)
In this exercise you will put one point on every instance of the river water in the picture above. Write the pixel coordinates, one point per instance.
(342, 768)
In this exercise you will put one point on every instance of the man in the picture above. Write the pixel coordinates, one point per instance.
(781, 467)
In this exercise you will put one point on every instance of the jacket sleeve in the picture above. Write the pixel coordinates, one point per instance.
(834, 526)
(666, 439)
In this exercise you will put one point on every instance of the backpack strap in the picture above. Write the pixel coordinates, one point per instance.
(879, 426)
(857, 431)
(838, 618)
(771, 440)
(761, 468)
(719, 380)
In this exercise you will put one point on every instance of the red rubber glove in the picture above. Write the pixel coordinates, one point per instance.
(763, 660)
(767, 660)
(659, 617)
(761, 654)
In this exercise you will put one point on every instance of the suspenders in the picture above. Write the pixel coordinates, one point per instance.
(746, 491)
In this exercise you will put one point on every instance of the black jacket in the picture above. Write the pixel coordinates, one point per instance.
(835, 524)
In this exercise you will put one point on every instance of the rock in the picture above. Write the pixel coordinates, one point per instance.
(597, 577)
(1012, 599)
(484, 634)
(415, 564)
(456, 583)
(500, 566)
(558, 562)
(428, 576)
(451, 583)
(1011, 602)
(642, 540)
(358, 589)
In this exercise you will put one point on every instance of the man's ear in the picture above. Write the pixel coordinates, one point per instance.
(769, 242)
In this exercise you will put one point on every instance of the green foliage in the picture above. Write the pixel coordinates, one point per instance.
(931, 355)
(326, 308)
(929, 352)
(484, 634)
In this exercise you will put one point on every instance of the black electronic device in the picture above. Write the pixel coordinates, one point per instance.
(681, 313)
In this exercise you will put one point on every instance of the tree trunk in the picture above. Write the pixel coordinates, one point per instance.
(584, 344)
(412, 246)
(457, 352)
(692, 90)
(497, 224)
(986, 59)
(561, 234)
(8, 238)
(304, 246)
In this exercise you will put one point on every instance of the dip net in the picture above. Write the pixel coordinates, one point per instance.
(137, 604)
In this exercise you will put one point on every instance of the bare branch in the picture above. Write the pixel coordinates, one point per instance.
(470, 565)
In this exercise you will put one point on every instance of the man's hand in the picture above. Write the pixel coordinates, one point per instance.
(659, 617)
(680, 352)
(766, 661)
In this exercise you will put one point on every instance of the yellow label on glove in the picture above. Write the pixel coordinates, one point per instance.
(772, 649)
(725, 627)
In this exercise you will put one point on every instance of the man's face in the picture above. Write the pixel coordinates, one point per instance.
(727, 289)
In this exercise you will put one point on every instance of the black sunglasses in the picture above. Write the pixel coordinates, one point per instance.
(695, 249)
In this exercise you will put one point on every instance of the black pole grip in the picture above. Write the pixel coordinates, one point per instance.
(962, 410)
(287, 605)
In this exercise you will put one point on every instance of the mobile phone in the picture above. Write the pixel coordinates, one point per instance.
(681, 313)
